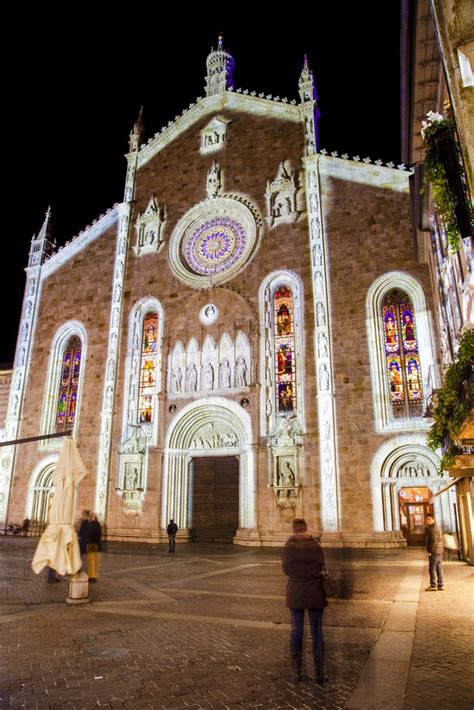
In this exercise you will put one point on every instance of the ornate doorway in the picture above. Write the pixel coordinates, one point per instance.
(214, 428)
(414, 505)
(214, 498)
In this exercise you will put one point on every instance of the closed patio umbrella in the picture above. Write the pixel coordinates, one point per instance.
(58, 547)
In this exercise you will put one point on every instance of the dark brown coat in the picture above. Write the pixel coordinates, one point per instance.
(302, 562)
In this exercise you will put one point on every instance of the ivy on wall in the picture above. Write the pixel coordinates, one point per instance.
(455, 403)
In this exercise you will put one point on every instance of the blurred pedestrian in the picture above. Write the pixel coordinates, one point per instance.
(435, 547)
(82, 534)
(172, 529)
(303, 563)
(94, 547)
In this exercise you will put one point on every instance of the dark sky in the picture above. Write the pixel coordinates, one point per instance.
(73, 86)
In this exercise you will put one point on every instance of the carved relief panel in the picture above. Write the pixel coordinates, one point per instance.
(149, 228)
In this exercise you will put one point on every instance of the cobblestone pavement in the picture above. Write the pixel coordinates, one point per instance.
(208, 628)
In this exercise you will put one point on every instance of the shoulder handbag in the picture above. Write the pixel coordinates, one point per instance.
(450, 542)
(329, 586)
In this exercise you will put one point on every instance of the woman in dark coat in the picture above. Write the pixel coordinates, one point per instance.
(303, 562)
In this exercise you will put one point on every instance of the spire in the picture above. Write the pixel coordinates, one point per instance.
(220, 65)
(42, 246)
(306, 84)
(136, 134)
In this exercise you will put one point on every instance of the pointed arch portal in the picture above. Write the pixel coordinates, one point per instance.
(214, 427)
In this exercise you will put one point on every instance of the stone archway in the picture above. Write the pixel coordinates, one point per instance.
(406, 466)
(212, 427)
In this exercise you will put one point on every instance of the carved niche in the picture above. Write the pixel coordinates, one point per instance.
(281, 197)
(284, 443)
(149, 227)
(214, 135)
(131, 471)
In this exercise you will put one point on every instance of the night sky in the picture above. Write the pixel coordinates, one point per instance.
(71, 96)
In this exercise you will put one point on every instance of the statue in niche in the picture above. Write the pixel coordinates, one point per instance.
(281, 196)
(322, 345)
(320, 315)
(318, 284)
(313, 202)
(108, 397)
(208, 375)
(115, 318)
(113, 343)
(28, 309)
(131, 479)
(119, 272)
(177, 379)
(240, 372)
(21, 357)
(191, 378)
(17, 383)
(24, 332)
(317, 255)
(323, 378)
(31, 289)
(225, 373)
(117, 293)
(111, 369)
(213, 180)
(316, 227)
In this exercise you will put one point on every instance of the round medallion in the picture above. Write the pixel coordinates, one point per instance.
(215, 245)
(208, 314)
(213, 241)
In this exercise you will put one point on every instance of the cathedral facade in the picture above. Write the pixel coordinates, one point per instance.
(251, 339)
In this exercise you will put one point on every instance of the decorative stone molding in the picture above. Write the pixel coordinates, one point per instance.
(213, 366)
(215, 239)
(281, 197)
(323, 365)
(132, 471)
(214, 181)
(149, 228)
(214, 135)
(226, 426)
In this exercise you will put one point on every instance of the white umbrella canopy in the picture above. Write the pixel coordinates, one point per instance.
(58, 547)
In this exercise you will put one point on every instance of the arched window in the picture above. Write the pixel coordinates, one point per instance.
(402, 358)
(401, 351)
(69, 384)
(148, 369)
(143, 373)
(64, 382)
(281, 347)
(284, 337)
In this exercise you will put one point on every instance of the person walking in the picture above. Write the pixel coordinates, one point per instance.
(172, 529)
(303, 562)
(435, 547)
(82, 535)
(94, 546)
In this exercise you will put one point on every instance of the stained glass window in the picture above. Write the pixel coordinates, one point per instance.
(401, 355)
(148, 369)
(68, 385)
(284, 350)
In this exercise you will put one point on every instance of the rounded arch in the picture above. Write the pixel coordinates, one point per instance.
(404, 462)
(40, 488)
(64, 334)
(267, 289)
(216, 426)
(147, 304)
(414, 290)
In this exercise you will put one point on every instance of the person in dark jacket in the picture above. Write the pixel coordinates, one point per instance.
(435, 547)
(303, 562)
(172, 529)
(94, 546)
(82, 535)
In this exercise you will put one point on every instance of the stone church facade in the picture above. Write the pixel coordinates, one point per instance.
(251, 339)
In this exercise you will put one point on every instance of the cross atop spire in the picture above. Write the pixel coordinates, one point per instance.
(220, 66)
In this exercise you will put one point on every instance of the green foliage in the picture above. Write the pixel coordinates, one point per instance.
(455, 401)
(444, 199)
